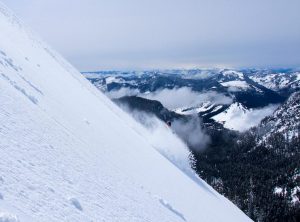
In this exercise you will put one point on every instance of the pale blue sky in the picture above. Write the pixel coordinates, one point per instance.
(145, 34)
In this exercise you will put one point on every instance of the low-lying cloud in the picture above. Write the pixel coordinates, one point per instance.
(186, 97)
(124, 91)
(164, 140)
(191, 132)
(176, 97)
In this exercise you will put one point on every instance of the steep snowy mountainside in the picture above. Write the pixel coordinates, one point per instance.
(237, 117)
(206, 110)
(69, 154)
(277, 81)
(285, 119)
(284, 82)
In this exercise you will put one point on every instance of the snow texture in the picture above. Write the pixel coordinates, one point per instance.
(69, 154)
(7, 217)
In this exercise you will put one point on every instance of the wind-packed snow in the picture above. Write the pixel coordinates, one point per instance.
(69, 154)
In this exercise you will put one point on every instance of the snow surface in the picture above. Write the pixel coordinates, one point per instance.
(237, 117)
(236, 84)
(295, 195)
(203, 107)
(298, 76)
(69, 154)
(279, 191)
(195, 110)
(284, 120)
(277, 81)
(233, 73)
(113, 79)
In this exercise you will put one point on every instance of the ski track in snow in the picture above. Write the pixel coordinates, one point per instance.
(168, 206)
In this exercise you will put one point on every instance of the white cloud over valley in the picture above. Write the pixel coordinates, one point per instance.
(174, 98)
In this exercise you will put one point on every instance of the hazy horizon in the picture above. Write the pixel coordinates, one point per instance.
(150, 35)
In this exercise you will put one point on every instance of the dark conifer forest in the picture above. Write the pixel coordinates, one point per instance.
(248, 173)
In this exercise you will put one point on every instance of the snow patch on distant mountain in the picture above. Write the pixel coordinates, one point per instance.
(203, 107)
(237, 117)
(278, 81)
(235, 85)
(234, 74)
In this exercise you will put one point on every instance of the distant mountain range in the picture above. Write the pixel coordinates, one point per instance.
(243, 93)
(252, 118)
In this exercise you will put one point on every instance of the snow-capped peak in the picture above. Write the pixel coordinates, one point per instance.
(238, 117)
(233, 73)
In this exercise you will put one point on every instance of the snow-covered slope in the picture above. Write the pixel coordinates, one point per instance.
(238, 117)
(285, 119)
(278, 81)
(69, 154)
(202, 107)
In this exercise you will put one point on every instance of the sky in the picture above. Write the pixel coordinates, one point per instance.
(165, 34)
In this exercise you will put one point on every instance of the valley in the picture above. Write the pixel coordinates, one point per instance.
(249, 128)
